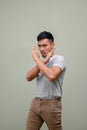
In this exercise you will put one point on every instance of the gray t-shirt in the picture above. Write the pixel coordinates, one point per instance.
(50, 89)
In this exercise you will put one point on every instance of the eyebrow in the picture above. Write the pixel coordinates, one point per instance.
(42, 44)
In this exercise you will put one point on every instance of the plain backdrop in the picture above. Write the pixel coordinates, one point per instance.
(20, 23)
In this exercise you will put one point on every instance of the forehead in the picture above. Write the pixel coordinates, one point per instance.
(44, 41)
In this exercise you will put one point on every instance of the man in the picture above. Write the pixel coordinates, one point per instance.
(49, 73)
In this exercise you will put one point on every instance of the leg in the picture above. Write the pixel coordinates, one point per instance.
(34, 122)
(52, 114)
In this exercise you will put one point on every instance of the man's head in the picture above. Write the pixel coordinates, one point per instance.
(45, 42)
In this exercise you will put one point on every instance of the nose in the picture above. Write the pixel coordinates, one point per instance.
(41, 48)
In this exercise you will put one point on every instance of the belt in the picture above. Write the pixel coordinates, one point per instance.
(47, 99)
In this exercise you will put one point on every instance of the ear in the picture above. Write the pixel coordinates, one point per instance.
(52, 45)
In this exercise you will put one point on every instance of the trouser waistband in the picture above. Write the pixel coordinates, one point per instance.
(45, 99)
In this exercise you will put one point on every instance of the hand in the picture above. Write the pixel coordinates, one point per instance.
(50, 54)
(35, 53)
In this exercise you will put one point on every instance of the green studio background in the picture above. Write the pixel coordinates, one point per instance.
(20, 23)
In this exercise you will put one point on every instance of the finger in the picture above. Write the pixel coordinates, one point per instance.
(54, 48)
(33, 46)
(52, 52)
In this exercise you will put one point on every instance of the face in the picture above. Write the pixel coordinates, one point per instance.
(45, 46)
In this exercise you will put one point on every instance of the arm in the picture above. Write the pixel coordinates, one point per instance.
(32, 74)
(51, 73)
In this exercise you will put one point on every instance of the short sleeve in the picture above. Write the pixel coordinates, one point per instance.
(59, 61)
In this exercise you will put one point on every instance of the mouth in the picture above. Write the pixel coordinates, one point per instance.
(43, 54)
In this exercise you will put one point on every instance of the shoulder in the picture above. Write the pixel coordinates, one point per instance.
(57, 57)
(58, 60)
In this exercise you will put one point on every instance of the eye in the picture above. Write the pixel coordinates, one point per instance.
(44, 45)
(39, 46)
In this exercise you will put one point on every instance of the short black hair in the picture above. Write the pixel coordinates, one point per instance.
(44, 35)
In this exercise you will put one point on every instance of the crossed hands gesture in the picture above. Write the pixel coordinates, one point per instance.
(36, 55)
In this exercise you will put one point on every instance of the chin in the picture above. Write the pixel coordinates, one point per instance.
(44, 56)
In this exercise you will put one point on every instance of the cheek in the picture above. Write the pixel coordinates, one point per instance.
(49, 49)
(39, 49)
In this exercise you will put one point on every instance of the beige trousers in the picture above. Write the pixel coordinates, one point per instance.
(44, 110)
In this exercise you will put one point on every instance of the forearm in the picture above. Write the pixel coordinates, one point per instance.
(48, 72)
(32, 73)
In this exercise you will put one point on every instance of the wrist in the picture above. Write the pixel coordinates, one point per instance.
(44, 61)
(36, 59)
